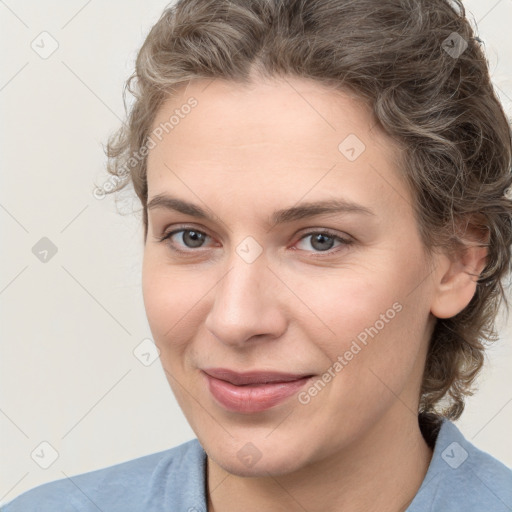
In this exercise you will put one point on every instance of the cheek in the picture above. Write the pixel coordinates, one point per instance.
(172, 300)
(353, 303)
(372, 363)
(376, 326)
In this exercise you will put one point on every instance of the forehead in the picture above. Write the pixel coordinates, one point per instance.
(288, 112)
(291, 133)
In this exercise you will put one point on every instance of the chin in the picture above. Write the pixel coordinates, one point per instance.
(250, 462)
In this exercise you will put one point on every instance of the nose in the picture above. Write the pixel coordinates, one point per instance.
(246, 305)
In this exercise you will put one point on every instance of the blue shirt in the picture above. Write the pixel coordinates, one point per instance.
(460, 477)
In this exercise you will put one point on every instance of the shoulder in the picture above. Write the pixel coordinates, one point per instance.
(151, 482)
(462, 477)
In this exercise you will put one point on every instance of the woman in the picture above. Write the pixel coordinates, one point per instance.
(327, 231)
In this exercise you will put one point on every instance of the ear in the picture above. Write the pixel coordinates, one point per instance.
(458, 272)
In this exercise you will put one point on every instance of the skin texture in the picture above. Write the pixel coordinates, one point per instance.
(241, 154)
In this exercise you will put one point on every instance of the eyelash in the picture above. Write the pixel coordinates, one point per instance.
(344, 241)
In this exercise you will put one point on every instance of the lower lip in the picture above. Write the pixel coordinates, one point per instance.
(252, 398)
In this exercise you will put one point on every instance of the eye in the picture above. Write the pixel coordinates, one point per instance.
(322, 241)
(189, 238)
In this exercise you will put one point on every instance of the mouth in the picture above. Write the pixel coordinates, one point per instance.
(251, 392)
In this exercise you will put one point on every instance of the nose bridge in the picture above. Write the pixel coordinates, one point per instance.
(242, 285)
(244, 305)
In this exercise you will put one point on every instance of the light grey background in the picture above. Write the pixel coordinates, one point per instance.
(69, 376)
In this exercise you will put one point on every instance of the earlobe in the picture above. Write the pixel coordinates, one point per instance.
(457, 280)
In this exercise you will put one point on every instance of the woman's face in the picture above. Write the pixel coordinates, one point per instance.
(293, 314)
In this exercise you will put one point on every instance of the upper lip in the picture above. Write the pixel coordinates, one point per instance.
(252, 377)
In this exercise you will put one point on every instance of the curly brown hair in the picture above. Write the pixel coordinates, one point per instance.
(422, 70)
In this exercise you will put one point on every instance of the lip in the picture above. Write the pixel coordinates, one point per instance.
(254, 391)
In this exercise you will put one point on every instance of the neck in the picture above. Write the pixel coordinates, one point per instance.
(382, 472)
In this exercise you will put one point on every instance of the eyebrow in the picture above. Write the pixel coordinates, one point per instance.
(294, 213)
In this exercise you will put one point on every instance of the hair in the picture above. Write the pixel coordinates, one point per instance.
(419, 66)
